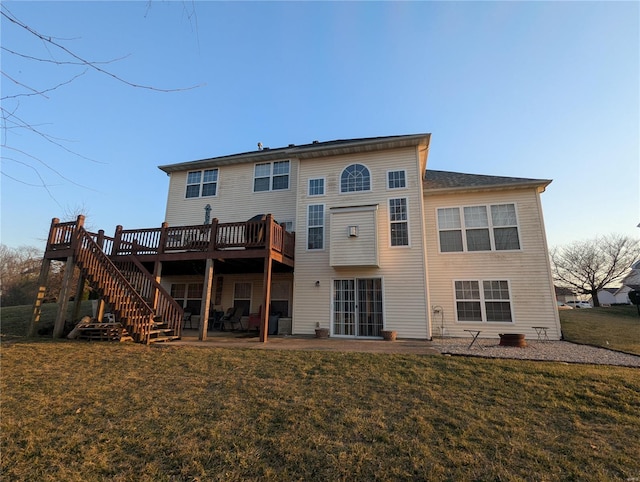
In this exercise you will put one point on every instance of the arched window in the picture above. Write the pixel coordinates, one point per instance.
(355, 177)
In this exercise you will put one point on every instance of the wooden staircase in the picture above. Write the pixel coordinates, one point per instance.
(146, 311)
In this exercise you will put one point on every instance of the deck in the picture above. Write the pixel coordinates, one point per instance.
(221, 241)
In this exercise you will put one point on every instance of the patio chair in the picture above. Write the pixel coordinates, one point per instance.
(186, 318)
(254, 319)
(233, 318)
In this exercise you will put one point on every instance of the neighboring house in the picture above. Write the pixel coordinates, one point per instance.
(614, 296)
(564, 294)
(632, 280)
(381, 242)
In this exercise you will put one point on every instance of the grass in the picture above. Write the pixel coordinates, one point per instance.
(96, 411)
(15, 319)
(615, 327)
(78, 411)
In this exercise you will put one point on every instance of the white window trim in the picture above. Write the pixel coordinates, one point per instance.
(355, 192)
(201, 183)
(233, 294)
(406, 181)
(324, 228)
(271, 176)
(490, 227)
(324, 186)
(402, 246)
(482, 301)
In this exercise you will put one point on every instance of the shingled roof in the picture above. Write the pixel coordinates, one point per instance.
(438, 181)
(306, 151)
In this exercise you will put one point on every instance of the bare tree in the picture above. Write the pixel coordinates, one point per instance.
(56, 53)
(586, 267)
(19, 268)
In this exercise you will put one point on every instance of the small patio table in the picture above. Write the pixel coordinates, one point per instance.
(474, 334)
(541, 331)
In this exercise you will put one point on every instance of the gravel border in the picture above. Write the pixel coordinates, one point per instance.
(558, 351)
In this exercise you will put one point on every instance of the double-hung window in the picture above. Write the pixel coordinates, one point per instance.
(396, 179)
(271, 176)
(478, 228)
(315, 226)
(316, 187)
(399, 221)
(483, 301)
(202, 183)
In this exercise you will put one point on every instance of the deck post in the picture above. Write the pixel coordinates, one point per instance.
(100, 240)
(77, 299)
(264, 322)
(213, 235)
(117, 240)
(157, 265)
(67, 281)
(206, 299)
(163, 237)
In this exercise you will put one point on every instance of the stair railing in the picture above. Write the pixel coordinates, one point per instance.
(136, 314)
(156, 295)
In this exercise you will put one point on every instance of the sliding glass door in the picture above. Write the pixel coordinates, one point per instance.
(357, 307)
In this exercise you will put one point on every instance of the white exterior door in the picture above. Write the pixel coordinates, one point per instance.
(357, 307)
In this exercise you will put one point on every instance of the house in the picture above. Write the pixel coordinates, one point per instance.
(614, 296)
(378, 242)
(564, 294)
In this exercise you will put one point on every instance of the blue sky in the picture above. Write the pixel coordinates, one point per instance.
(528, 89)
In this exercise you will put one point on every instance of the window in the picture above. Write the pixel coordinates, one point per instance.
(242, 297)
(280, 298)
(271, 176)
(316, 187)
(188, 296)
(315, 226)
(396, 179)
(202, 183)
(287, 225)
(354, 178)
(478, 228)
(490, 304)
(399, 225)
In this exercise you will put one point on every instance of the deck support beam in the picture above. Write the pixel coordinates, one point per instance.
(264, 322)
(63, 301)
(206, 299)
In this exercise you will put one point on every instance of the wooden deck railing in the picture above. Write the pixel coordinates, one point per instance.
(203, 237)
(136, 314)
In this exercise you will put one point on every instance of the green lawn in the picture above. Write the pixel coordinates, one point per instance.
(615, 327)
(78, 411)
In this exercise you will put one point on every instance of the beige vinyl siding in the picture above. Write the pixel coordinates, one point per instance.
(401, 269)
(361, 250)
(527, 270)
(235, 200)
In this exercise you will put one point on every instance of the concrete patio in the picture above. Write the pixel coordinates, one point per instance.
(251, 340)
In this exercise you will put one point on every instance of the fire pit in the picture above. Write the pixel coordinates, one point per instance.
(512, 339)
